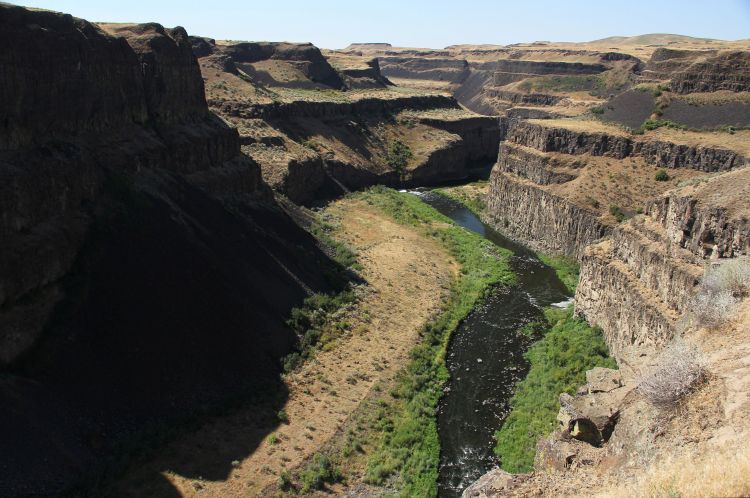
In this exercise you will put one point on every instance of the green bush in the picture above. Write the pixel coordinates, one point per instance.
(653, 124)
(619, 215)
(398, 156)
(318, 472)
(316, 324)
(597, 110)
(558, 363)
(661, 176)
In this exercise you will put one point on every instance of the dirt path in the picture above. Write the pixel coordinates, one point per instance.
(407, 275)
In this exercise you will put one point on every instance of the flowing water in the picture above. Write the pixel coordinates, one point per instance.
(485, 357)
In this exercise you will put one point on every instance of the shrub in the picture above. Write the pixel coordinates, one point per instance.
(680, 369)
(282, 416)
(597, 110)
(722, 286)
(398, 156)
(732, 275)
(661, 175)
(619, 215)
(653, 124)
(285, 481)
(318, 472)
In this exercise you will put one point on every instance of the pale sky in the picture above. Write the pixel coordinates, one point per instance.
(422, 23)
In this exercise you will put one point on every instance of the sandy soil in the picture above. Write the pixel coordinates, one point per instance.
(407, 275)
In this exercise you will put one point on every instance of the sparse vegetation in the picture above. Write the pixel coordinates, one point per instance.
(317, 323)
(558, 363)
(679, 370)
(469, 195)
(407, 454)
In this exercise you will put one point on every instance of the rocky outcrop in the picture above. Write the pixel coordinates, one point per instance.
(638, 284)
(553, 225)
(529, 163)
(659, 153)
(512, 70)
(523, 98)
(320, 110)
(365, 77)
(427, 68)
(480, 135)
(724, 71)
(704, 219)
(497, 482)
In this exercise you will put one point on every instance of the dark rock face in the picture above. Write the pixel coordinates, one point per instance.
(145, 271)
(664, 154)
(47, 55)
(725, 71)
(171, 77)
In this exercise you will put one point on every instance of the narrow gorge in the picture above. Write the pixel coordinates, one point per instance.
(259, 268)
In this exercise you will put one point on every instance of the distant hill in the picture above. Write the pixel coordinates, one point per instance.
(651, 39)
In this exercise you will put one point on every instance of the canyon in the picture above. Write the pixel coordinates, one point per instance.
(173, 206)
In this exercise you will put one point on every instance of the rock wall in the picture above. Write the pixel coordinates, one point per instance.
(542, 220)
(659, 153)
(725, 71)
(638, 284)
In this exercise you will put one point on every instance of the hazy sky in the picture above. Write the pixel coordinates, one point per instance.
(422, 23)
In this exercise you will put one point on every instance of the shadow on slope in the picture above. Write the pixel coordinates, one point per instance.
(175, 310)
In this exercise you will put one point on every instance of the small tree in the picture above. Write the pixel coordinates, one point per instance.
(398, 157)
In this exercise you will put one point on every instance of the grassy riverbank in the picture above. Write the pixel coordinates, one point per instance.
(406, 456)
(558, 363)
(472, 195)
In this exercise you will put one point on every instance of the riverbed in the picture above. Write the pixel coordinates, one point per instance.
(485, 356)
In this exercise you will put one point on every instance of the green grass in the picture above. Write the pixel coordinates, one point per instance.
(566, 267)
(652, 124)
(562, 83)
(558, 363)
(476, 204)
(407, 451)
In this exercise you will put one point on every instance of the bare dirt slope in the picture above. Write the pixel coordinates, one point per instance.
(407, 274)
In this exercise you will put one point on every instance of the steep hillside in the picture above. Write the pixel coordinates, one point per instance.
(314, 139)
(146, 272)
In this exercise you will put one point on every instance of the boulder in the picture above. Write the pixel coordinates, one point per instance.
(592, 417)
(493, 483)
(554, 453)
(600, 379)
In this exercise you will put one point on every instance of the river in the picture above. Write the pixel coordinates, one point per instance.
(485, 356)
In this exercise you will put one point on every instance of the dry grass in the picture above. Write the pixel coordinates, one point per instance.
(724, 473)
(408, 275)
(680, 369)
(739, 141)
(582, 125)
